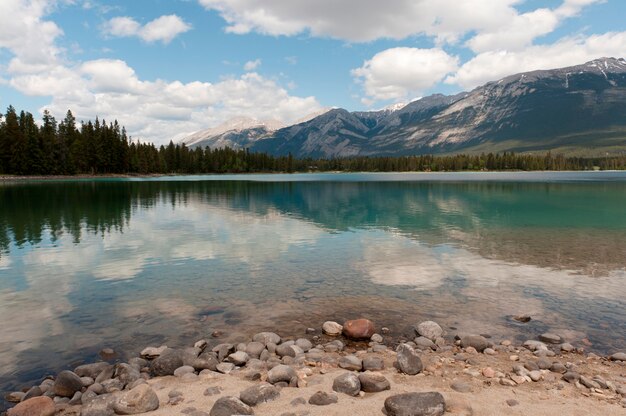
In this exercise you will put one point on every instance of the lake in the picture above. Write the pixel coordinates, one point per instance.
(126, 263)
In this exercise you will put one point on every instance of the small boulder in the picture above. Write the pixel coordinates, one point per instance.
(475, 341)
(304, 344)
(67, 383)
(550, 338)
(141, 399)
(229, 406)
(347, 383)
(152, 352)
(266, 338)
(181, 371)
(424, 343)
(238, 358)
(373, 363)
(430, 330)
(351, 362)
(618, 356)
(373, 382)
(281, 373)
(415, 404)
(91, 370)
(166, 363)
(321, 398)
(332, 328)
(255, 348)
(408, 360)
(260, 393)
(36, 406)
(359, 329)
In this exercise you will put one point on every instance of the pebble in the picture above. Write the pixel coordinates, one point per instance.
(535, 375)
(461, 387)
(424, 343)
(212, 391)
(408, 360)
(181, 371)
(67, 383)
(550, 338)
(558, 368)
(514, 357)
(92, 370)
(267, 337)
(373, 363)
(15, 397)
(228, 406)
(166, 363)
(488, 372)
(141, 399)
(587, 382)
(567, 347)
(351, 362)
(298, 401)
(347, 383)
(377, 338)
(522, 318)
(430, 330)
(322, 398)
(225, 368)
(304, 344)
(571, 377)
(358, 329)
(239, 358)
(152, 352)
(430, 403)
(512, 402)
(618, 356)
(281, 373)
(477, 342)
(260, 393)
(332, 328)
(489, 351)
(373, 382)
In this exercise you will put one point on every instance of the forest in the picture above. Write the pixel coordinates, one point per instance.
(98, 148)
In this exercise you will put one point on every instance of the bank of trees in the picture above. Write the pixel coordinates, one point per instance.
(98, 147)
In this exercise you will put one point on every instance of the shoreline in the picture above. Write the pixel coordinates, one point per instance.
(317, 373)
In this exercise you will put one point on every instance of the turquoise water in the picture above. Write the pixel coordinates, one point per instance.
(125, 263)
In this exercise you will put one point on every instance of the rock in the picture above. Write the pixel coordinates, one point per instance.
(91, 370)
(152, 352)
(373, 382)
(229, 406)
(260, 393)
(205, 361)
(304, 344)
(36, 406)
(550, 338)
(99, 406)
(535, 375)
(332, 328)
(87, 381)
(126, 373)
(618, 356)
(359, 329)
(424, 343)
(558, 368)
(106, 374)
(489, 372)
(377, 338)
(266, 338)
(298, 401)
(322, 398)
(34, 391)
(475, 341)
(212, 391)
(347, 383)
(567, 347)
(571, 377)
(141, 399)
(512, 402)
(415, 404)
(15, 396)
(167, 362)
(489, 351)
(531, 366)
(373, 363)
(351, 362)
(238, 358)
(587, 382)
(281, 373)
(76, 399)
(408, 360)
(67, 383)
(461, 386)
(522, 318)
(285, 350)
(255, 348)
(430, 330)
(225, 368)
(185, 369)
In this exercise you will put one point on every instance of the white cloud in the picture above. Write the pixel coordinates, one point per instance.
(252, 65)
(399, 72)
(492, 65)
(162, 29)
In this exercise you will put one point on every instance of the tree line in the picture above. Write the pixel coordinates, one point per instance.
(95, 147)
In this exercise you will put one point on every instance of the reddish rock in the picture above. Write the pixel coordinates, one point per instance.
(37, 406)
(359, 329)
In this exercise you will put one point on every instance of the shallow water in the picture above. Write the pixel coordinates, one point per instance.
(125, 263)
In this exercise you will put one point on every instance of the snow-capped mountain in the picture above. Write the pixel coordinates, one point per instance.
(235, 133)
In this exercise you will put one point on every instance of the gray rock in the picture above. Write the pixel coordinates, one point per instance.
(618, 356)
(544, 363)
(587, 382)
(67, 383)
(87, 397)
(205, 361)
(96, 388)
(126, 373)
(408, 360)
(377, 338)
(254, 349)
(567, 347)
(298, 401)
(112, 385)
(266, 338)
(99, 406)
(332, 328)
(229, 406)
(461, 386)
(373, 382)
(106, 374)
(87, 381)
(223, 350)
(476, 341)
(152, 352)
(76, 399)
(225, 368)
(512, 402)
(285, 350)
(91, 370)
(281, 373)
(238, 358)
(34, 391)
(430, 330)
(558, 368)
(265, 355)
(321, 398)
(185, 369)
(535, 375)
(531, 365)
(535, 345)
(15, 396)
(424, 343)
(550, 338)
(347, 383)
(373, 363)
(304, 344)
(260, 393)
(415, 404)
(571, 377)
(351, 362)
(166, 363)
(141, 399)
(212, 391)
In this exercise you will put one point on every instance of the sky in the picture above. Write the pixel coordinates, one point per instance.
(167, 68)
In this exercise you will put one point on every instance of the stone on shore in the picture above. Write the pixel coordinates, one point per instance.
(239, 358)
(266, 338)
(281, 373)
(100, 405)
(430, 330)
(618, 356)
(229, 406)
(225, 368)
(141, 399)
(181, 371)
(260, 393)
(415, 404)
(424, 343)
(166, 363)
(255, 348)
(373, 382)
(475, 341)
(377, 338)
(152, 352)
(351, 362)
(321, 398)
(359, 329)
(408, 360)
(347, 383)
(461, 386)
(571, 377)
(332, 328)
(67, 383)
(304, 344)
(373, 363)
(550, 338)
(36, 406)
(91, 370)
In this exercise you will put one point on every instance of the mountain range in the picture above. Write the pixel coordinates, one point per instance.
(578, 110)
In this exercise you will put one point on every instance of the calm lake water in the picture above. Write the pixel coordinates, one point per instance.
(126, 263)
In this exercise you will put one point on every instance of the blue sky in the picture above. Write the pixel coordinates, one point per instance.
(167, 68)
